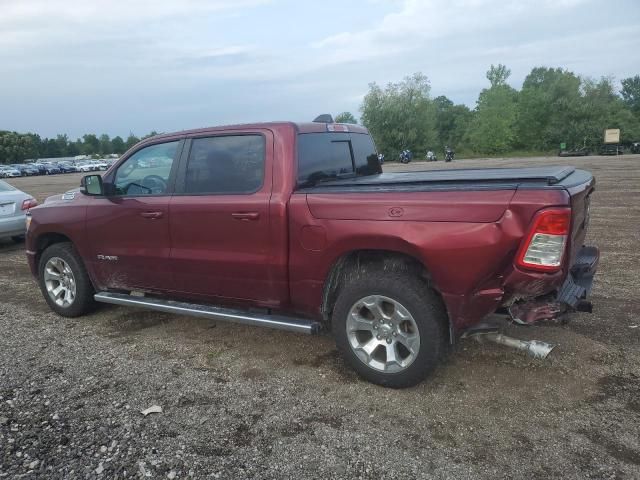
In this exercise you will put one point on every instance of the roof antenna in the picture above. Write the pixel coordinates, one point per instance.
(324, 118)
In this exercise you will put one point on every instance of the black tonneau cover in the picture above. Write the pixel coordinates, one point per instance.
(454, 178)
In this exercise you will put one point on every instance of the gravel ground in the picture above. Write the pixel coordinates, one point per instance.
(241, 402)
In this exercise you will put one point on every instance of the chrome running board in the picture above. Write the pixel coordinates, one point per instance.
(279, 322)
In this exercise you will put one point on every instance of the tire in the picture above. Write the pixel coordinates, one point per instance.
(405, 294)
(82, 301)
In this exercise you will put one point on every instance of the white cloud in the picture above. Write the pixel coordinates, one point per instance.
(422, 21)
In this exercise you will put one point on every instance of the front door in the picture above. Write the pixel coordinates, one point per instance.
(220, 226)
(128, 230)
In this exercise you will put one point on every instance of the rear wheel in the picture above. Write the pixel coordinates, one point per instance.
(64, 281)
(389, 328)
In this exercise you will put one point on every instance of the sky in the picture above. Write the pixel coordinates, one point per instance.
(121, 66)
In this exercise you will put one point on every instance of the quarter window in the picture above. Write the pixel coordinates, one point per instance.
(334, 155)
(225, 165)
(147, 171)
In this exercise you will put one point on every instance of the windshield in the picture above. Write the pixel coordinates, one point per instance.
(333, 155)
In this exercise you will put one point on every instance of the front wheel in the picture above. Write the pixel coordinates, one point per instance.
(389, 328)
(64, 281)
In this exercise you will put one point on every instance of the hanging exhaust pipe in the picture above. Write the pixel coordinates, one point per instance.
(533, 348)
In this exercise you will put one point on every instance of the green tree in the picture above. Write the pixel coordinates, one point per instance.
(602, 109)
(452, 122)
(131, 141)
(492, 129)
(117, 145)
(73, 148)
(346, 117)
(62, 141)
(631, 93)
(16, 147)
(105, 144)
(90, 144)
(548, 106)
(498, 75)
(401, 115)
(50, 148)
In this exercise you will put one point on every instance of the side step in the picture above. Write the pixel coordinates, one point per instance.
(279, 322)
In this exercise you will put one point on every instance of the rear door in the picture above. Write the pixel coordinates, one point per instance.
(220, 224)
(128, 231)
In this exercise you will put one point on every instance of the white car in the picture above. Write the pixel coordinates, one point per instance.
(84, 167)
(9, 172)
(14, 205)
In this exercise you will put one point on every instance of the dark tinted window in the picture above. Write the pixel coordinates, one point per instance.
(225, 164)
(332, 155)
(366, 157)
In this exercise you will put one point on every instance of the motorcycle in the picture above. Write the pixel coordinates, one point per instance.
(448, 154)
(431, 157)
(406, 156)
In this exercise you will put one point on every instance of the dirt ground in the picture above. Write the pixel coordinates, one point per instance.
(243, 402)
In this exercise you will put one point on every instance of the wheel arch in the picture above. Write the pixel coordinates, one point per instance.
(354, 263)
(46, 239)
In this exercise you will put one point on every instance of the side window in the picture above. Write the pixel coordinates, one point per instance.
(225, 164)
(366, 157)
(323, 155)
(147, 171)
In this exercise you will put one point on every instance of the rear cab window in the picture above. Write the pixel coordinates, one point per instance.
(330, 155)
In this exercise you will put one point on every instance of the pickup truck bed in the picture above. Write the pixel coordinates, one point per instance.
(458, 179)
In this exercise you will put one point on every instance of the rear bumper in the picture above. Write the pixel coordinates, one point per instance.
(572, 296)
(579, 282)
(12, 226)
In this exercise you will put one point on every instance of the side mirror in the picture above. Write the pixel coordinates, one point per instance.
(92, 185)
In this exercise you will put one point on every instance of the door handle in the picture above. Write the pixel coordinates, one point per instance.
(151, 215)
(246, 216)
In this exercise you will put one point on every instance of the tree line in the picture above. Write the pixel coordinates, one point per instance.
(17, 147)
(554, 106)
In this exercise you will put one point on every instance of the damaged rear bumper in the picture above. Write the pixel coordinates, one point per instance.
(572, 296)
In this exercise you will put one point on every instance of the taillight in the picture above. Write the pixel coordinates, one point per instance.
(546, 242)
(29, 203)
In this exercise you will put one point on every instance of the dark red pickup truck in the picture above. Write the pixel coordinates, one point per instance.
(294, 226)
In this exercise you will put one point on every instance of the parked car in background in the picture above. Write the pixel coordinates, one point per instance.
(9, 172)
(14, 205)
(42, 168)
(51, 169)
(68, 167)
(26, 170)
(85, 167)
